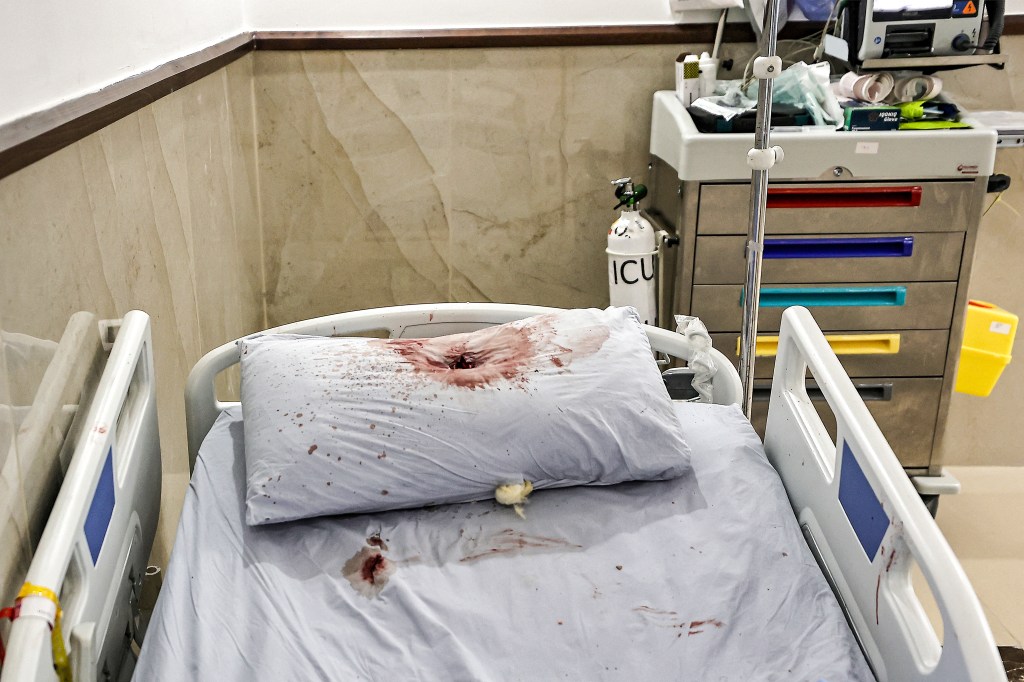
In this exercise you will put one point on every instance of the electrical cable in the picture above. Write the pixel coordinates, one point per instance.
(719, 32)
(832, 16)
(995, 9)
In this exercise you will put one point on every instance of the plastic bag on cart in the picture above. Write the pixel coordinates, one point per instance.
(702, 364)
(807, 86)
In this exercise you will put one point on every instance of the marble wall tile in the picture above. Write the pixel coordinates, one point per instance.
(156, 212)
(405, 176)
(538, 136)
(351, 182)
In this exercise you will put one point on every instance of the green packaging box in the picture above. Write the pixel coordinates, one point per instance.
(872, 118)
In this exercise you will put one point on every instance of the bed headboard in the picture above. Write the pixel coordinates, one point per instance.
(96, 542)
(436, 319)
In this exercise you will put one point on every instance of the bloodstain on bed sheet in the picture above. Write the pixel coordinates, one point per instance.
(503, 354)
(670, 619)
(653, 611)
(698, 626)
(510, 541)
(368, 571)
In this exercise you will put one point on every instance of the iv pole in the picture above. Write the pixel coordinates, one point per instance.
(760, 159)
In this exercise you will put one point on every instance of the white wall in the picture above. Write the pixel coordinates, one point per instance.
(407, 14)
(326, 15)
(55, 50)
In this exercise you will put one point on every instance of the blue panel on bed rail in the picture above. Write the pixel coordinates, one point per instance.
(861, 505)
(101, 509)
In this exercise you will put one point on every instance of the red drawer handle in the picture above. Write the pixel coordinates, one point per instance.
(843, 197)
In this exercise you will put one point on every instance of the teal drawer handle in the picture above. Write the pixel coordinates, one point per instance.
(812, 297)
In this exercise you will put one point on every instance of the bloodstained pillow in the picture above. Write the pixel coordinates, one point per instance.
(344, 425)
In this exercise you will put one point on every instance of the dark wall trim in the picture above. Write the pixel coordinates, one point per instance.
(1013, 25)
(29, 139)
(548, 36)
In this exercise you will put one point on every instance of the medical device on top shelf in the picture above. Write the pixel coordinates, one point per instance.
(632, 248)
(933, 30)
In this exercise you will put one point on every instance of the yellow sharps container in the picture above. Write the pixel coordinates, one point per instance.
(988, 340)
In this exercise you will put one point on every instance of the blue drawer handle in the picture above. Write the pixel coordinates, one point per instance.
(832, 296)
(853, 247)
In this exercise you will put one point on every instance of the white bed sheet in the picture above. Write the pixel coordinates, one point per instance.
(705, 577)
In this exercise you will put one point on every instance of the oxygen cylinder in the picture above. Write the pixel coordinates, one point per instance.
(632, 249)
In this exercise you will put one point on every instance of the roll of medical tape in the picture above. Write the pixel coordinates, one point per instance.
(872, 88)
(915, 88)
(882, 86)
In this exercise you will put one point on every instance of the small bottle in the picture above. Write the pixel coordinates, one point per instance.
(708, 75)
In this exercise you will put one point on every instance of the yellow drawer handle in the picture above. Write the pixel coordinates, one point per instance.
(842, 344)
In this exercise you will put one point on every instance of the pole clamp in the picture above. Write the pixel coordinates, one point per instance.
(764, 159)
(767, 67)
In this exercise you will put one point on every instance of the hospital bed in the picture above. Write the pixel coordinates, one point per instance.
(858, 522)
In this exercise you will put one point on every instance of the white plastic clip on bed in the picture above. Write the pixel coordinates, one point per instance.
(709, 570)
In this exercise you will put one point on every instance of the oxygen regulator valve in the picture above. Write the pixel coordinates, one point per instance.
(628, 194)
(632, 252)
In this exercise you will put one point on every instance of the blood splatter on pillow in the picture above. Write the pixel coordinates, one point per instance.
(345, 425)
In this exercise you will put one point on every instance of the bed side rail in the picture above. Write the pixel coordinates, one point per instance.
(866, 524)
(96, 543)
(437, 319)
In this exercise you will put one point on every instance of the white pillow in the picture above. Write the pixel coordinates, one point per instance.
(343, 425)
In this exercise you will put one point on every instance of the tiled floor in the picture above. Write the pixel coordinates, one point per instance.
(983, 524)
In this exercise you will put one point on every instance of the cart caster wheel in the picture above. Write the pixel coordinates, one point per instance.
(931, 502)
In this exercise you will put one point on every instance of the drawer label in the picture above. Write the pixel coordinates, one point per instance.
(866, 148)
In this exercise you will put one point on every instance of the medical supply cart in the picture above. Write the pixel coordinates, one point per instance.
(873, 231)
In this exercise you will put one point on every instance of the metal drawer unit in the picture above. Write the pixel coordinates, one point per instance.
(872, 232)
